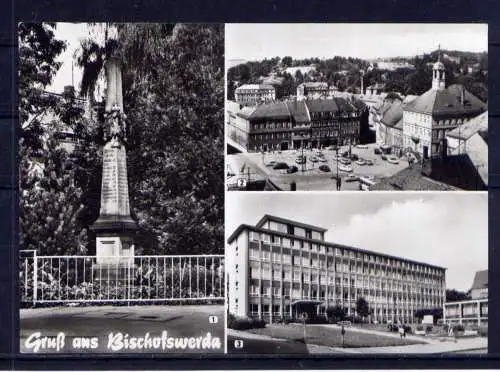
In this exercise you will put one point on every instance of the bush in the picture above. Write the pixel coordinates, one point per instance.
(420, 327)
(242, 324)
(482, 331)
(428, 329)
(458, 328)
(408, 329)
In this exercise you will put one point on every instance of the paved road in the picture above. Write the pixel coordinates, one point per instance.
(256, 346)
(107, 329)
(312, 178)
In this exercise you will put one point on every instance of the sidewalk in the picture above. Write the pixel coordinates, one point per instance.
(381, 333)
(431, 348)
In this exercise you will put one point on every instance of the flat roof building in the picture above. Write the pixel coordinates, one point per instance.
(278, 266)
(473, 312)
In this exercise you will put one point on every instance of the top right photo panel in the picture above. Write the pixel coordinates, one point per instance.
(348, 107)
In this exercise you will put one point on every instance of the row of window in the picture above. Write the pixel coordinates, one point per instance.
(374, 295)
(307, 262)
(276, 310)
(339, 252)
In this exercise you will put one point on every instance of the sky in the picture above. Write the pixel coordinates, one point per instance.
(444, 229)
(71, 33)
(368, 41)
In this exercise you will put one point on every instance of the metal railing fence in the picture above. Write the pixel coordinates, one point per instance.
(149, 279)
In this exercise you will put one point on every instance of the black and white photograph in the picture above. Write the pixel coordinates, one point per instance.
(350, 107)
(121, 183)
(357, 273)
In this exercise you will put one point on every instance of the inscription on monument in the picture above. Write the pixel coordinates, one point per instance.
(114, 196)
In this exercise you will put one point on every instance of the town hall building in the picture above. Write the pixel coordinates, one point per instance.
(428, 118)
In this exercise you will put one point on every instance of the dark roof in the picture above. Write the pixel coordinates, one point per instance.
(298, 110)
(457, 172)
(480, 280)
(242, 227)
(447, 103)
(274, 110)
(410, 179)
(393, 114)
(291, 222)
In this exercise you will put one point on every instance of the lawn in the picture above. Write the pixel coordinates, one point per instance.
(329, 336)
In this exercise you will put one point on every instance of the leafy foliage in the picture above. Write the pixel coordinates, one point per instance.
(51, 181)
(362, 307)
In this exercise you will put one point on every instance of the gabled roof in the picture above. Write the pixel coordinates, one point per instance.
(393, 114)
(480, 280)
(299, 111)
(314, 84)
(447, 102)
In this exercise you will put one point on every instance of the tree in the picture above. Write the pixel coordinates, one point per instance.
(362, 308)
(453, 295)
(50, 179)
(336, 313)
(38, 50)
(287, 61)
(174, 104)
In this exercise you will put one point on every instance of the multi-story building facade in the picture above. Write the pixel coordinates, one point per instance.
(473, 312)
(313, 90)
(252, 94)
(278, 266)
(295, 124)
(428, 118)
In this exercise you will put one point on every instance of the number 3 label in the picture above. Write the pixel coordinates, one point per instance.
(238, 344)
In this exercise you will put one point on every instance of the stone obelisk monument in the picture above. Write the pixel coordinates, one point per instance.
(115, 227)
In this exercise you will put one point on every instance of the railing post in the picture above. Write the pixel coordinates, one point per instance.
(35, 278)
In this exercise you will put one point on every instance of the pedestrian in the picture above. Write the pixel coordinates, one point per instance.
(404, 331)
(401, 331)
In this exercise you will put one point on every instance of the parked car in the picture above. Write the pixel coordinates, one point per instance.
(369, 162)
(344, 161)
(354, 157)
(300, 160)
(292, 169)
(383, 157)
(345, 168)
(313, 159)
(362, 146)
(271, 163)
(360, 162)
(324, 168)
(332, 148)
(351, 178)
(420, 330)
(377, 151)
(280, 165)
(322, 159)
(393, 160)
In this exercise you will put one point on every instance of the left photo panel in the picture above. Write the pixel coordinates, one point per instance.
(121, 177)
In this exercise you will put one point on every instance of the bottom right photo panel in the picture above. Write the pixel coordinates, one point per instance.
(357, 273)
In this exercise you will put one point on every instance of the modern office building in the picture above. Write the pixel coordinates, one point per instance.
(473, 312)
(280, 267)
(294, 124)
(252, 94)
